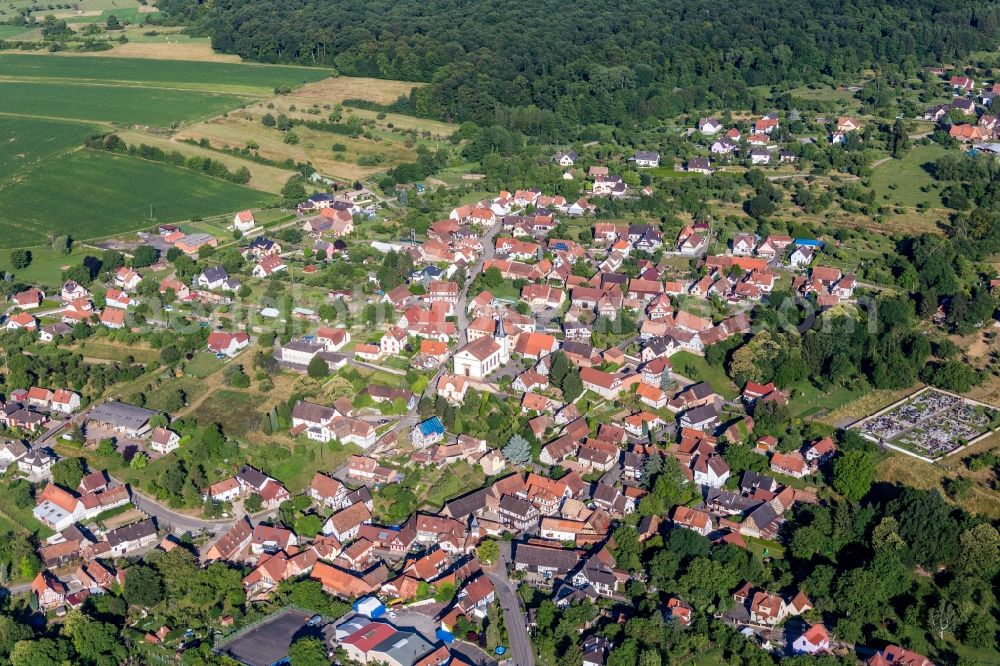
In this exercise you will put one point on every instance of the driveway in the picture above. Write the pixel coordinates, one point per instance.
(421, 619)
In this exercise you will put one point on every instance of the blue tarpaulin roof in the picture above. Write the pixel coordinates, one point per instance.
(431, 426)
(444, 636)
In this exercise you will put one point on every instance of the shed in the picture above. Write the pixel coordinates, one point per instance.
(370, 607)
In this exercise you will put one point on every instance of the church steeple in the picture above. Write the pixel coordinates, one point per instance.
(500, 333)
(505, 342)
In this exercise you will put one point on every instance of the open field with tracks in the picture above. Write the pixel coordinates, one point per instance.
(240, 78)
(50, 104)
(93, 194)
(64, 98)
(118, 104)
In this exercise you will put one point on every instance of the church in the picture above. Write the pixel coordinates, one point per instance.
(485, 355)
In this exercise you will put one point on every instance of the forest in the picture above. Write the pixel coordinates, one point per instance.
(538, 66)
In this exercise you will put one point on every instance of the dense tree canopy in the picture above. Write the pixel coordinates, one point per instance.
(538, 67)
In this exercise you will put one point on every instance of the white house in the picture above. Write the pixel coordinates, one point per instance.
(127, 279)
(64, 401)
(814, 640)
(802, 256)
(164, 441)
(710, 471)
(230, 344)
(709, 126)
(484, 355)
(212, 278)
(646, 159)
(760, 156)
(244, 221)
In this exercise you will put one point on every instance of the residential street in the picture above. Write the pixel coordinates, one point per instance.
(410, 419)
(521, 652)
(169, 520)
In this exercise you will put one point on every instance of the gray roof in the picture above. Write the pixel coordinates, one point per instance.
(252, 476)
(560, 559)
(516, 506)
(15, 448)
(466, 505)
(700, 390)
(313, 413)
(578, 348)
(133, 532)
(58, 328)
(303, 346)
(121, 414)
(660, 345)
(359, 496)
(404, 647)
(763, 515)
(215, 274)
(730, 501)
(752, 480)
(701, 414)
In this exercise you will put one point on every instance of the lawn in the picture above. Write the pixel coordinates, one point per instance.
(668, 171)
(125, 104)
(902, 180)
(296, 466)
(759, 546)
(453, 480)
(231, 77)
(809, 400)
(113, 351)
(262, 177)
(11, 31)
(45, 268)
(22, 518)
(697, 369)
(202, 365)
(96, 194)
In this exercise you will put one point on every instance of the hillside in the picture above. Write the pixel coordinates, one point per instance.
(592, 62)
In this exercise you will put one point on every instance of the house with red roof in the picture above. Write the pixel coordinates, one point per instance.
(230, 344)
(28, 299)
(692, 519)
(21, 320)
(113, 318)
(790, 464)
(814, 640)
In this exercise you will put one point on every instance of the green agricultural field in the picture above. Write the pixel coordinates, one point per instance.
(101, 194)
(27, 144)
(123, 14)
(130, 105)
(218, 76)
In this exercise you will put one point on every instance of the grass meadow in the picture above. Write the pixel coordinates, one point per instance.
(904, 180)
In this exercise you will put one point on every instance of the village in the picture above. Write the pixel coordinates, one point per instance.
(579, 337)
